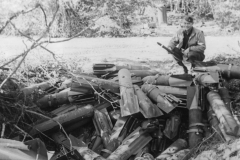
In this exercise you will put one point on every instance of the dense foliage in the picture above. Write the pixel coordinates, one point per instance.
(110, 17)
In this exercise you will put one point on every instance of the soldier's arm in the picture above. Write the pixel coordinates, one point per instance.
(201, 45)
(174, 41)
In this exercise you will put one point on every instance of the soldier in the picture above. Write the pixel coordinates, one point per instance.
(188, 44)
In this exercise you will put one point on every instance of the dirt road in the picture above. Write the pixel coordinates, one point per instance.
(132, 48)
(99, 49)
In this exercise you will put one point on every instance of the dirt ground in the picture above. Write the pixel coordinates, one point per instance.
(109, 49)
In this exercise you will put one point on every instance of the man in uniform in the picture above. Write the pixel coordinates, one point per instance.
(188, 44)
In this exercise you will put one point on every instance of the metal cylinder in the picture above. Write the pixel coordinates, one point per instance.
(178, 145)
(179, 155)
(156, 95)
(88, 154)
(143, 73)
(112, 146)
(147, 108)
(77, 125)
(173, 90)
(224, 116)
(128, 102)
(53, 100)
(131, 66)
(107, 84)
(172, 126)
(95, 143)
(68, 142)
(103, 129)
(180, 80)
(157, 140)
(32, 149)
(209, 78)
(120, 126)
(98, 82)
(13, 144)
(150, 79)
(65, 119)
(195, 131)
(41, 86)
(224, 93)
(228, 71)
(214, 122)
(163, 80)
(195, 119)
(131, 146)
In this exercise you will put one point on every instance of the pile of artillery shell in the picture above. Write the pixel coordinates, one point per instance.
(135, 112)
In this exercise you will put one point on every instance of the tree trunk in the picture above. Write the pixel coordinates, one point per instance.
(177, 8)
(162, 15)
(186, 7)
(183, 6)
(171, 5)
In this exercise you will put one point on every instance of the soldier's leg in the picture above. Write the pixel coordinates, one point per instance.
(195, 56)
(178, 57)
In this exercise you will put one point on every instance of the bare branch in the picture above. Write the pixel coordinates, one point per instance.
(76, 35)
(31, 39)
(50, 24)
(44, 13)
(54, 56)
(12, 60)
(60, 125)
(15, 16)
(23, 131)
(34, 45)
(3, 130)
(14, 71)
(47, 30)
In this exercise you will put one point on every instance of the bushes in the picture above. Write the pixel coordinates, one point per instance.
(75, 15)
(228, 14)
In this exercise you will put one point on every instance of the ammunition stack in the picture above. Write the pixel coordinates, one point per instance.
(136, 112)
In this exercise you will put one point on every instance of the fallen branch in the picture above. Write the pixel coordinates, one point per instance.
(48, 41)
(14, 71)
(196, 148)
(31, 39)
(40, 132)
(205, 140)
(34, 45)
(23, 131)
(60, 125)
(54, 56)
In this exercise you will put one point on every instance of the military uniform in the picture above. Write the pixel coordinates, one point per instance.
(193, 41)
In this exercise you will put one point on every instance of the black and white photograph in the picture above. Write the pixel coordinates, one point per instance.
(119, 79)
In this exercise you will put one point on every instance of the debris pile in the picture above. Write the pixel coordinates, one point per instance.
(124, 111)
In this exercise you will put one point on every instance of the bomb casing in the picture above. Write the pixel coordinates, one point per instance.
(128, 103)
